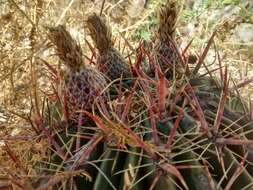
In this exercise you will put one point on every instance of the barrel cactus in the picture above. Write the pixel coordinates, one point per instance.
(190, 132)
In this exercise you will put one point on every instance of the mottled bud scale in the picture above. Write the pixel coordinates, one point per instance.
(109, 60)
(83, 83)
(166, 51)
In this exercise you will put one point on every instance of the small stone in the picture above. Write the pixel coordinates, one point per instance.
(230, 13)
(243, 33)
(136, 8)
(3, 118)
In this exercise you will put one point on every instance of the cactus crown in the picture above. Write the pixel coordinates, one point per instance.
(67, 48)
(167, 19)
(100, 32)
